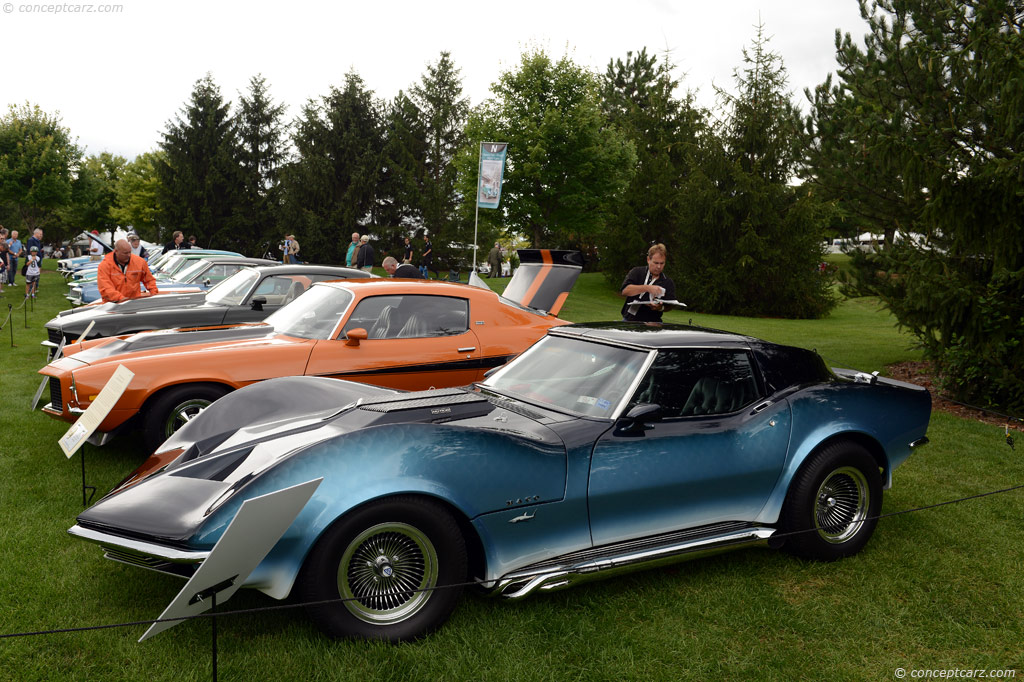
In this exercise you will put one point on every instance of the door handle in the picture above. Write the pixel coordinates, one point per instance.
(760, 407)
(470, 349)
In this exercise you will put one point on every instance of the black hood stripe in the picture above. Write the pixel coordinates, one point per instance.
(459, 365)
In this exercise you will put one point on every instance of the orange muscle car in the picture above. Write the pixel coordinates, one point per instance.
(404, 334)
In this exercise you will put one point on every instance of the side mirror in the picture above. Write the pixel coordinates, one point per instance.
(354, 336)
(258, 302)
(634, 421)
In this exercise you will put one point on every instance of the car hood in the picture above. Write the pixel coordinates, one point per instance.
(206, 462)
(82, 316)
(172, 340)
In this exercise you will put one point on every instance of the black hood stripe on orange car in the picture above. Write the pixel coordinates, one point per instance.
(458, 365)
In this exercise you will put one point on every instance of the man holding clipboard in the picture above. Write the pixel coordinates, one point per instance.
(647, 289)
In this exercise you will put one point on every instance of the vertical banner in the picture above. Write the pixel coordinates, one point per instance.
(492, 170)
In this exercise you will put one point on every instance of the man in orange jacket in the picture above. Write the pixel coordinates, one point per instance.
(121, 272)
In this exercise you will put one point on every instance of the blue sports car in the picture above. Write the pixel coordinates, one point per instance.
(602, 448)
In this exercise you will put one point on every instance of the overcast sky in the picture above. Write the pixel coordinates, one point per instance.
(117, 77)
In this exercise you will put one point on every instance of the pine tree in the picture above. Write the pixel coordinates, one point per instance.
(330, 189)
(751, 242)
(639, 98)
(200, 176)
(261, 153)
(926, 124)
(443, 111)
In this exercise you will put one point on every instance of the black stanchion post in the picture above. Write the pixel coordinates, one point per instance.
(213, 628)
(9, 313)
(91, 488)
(26, 315)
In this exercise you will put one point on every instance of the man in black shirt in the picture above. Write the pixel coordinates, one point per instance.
(645, 284)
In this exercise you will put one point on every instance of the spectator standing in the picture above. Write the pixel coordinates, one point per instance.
(36, 240)
(365, 258)
(32, 272)
(292, 249)
(646, 284)
(175, 244)
(14, 251)
(494, 260)
(121, 272)
(427, 259)
(405, 270)
(407, 255)
(95, 248)
(3, 258)
(137, 248)
(192, 242)
(351, 254)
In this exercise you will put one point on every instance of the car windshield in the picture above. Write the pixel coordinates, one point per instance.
(177, 265)
(189, 273)
(232, 290)
(314, 314)
(571, 374)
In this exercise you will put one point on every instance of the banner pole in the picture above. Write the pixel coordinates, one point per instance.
(476, 220)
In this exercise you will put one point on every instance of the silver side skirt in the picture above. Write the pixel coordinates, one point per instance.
(610, 560)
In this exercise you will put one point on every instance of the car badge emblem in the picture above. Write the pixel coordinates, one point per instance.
(501, 418)
(522, 517)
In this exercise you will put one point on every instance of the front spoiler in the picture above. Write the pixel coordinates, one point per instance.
(149, 555)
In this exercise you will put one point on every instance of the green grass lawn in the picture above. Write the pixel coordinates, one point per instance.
(936, 589)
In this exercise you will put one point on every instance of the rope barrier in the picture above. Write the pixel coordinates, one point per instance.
(471, 583)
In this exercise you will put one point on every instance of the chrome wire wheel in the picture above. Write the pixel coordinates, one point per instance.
(386, 573)
(183, 413)
(841, 504)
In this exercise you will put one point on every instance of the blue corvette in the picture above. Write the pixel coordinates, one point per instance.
(602, 448)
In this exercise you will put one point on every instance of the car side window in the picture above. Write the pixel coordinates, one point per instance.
(408, 317)
(693, 382)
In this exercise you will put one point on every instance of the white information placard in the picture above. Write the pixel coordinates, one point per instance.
(256, 528)
(96, 412)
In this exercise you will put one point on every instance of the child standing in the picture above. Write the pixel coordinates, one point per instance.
(32, 272)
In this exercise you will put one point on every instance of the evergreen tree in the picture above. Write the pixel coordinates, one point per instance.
(398, 209)
(261, 153)
(443, 112)
(330, 189)
(751, 242)
(566, 167)
(200, 176)
(926, 122)
(639, 98)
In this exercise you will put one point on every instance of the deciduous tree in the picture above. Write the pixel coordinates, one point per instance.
(566, 165)
(37, 160)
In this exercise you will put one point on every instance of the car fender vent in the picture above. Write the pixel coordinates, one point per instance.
(434, 401)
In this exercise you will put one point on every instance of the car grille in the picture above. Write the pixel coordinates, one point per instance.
(55, 396)
(55, 335)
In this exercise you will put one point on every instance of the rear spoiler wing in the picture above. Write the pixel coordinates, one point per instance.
(544, 278)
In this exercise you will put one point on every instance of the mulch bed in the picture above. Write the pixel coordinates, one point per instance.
(922, 374)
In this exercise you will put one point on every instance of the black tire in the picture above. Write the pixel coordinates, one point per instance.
(173, 408)
(383, 559)
(832, 503)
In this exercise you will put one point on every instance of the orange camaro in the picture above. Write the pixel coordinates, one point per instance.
(405, 334)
